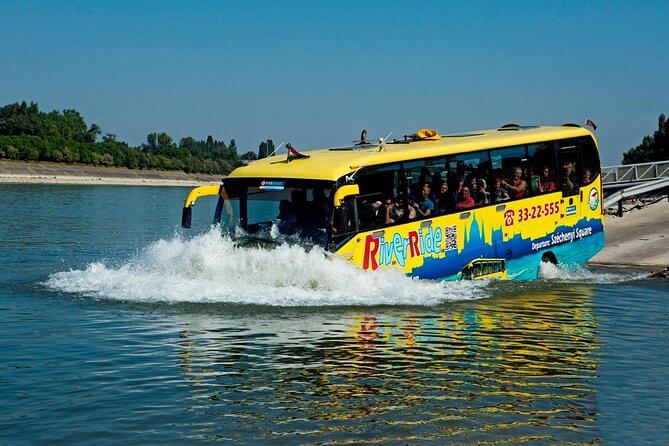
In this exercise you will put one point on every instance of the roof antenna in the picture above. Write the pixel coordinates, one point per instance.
(380, 147)
(382, 142)
(276, 149)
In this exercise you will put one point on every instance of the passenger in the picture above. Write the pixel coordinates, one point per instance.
(320, 223)
(299, 205)
(370, 214)
(473, 183)
(569, 176)
(546, 183)
(389, 206)
(459, 183)
(517, 185)
(586, 176)
(424, 206)
(393, 211)
(532, 182)
(481, 195)
(445, 200)
(431, 195)
(287, 219)
(436, 194)
(500, 194)
(403, 212)
(466, 201)
(341, 222)
(455, 184)
(316, 219)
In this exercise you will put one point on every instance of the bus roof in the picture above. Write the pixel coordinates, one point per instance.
(333, 163)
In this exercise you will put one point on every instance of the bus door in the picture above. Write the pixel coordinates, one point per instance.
(569, 175)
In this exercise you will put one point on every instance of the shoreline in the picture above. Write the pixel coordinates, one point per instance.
(18, 172)
(639, 239)
(96, 181)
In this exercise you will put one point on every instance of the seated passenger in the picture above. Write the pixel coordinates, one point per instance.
(319, 222)
(532, 183)
(369, 213)
(287, 223)
(516, 185)
(393, 211)
(546, 183)
(481, 195)
(445, 201)
(499, 194)
(472, 183)
(299, 205)
(586, 176)
(431, 195)
(459, 182)
(465, 201)
(341, 223)
(569, 176)
(405, 213)
(424, 206)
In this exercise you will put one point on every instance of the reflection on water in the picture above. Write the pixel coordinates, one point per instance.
(141, 338)
(479, 372)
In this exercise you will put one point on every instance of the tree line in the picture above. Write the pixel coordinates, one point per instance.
(28, 134)
(652, 148)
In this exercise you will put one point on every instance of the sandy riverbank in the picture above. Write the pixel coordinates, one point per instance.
(638, 239)
(102, 181)
(56, 173)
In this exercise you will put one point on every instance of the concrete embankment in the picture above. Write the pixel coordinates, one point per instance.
(640, 238)
(56, 173)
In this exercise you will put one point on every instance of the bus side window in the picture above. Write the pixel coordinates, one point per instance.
(378, 204)
(343, 217)
(569, 178)
(468, 179)
(542, 168)
(510, 169)
(589, 159)
(437, 179)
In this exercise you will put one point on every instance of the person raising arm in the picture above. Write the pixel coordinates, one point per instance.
(517, 184)
(425, 207)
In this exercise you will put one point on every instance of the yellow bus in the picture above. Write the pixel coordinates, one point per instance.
(428, 204)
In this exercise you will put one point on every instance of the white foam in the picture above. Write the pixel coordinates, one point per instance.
(580, 274)
(210, 268)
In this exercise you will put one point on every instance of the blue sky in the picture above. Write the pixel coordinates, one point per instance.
(315, 73)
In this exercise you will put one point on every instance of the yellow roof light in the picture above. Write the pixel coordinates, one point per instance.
(428, 135)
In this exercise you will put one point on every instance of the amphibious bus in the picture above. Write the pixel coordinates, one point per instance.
(427, 204)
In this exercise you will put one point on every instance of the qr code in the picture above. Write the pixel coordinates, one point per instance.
(451, 237)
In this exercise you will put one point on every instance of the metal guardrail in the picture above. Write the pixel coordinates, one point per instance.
(631, 173)
(640, 189)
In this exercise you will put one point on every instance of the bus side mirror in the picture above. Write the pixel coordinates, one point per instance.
(202, 191)
(345, 191)
(186, 217)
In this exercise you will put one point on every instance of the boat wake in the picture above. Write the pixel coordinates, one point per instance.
(580, 274)
(210, 268)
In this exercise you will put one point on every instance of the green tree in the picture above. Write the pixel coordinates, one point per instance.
(27, 133)
(249, 156)
(652, 148)
(92, 133)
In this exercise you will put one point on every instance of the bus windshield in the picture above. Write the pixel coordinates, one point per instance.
(277, 210)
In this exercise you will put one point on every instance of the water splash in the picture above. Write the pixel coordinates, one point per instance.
(210, 268)
(580, 274)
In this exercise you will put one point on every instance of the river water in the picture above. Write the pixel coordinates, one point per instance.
(116, 327)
